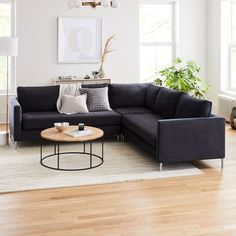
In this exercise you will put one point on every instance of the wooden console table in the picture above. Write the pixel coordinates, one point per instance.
(81, 81)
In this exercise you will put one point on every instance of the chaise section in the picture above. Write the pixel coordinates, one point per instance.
(43, 120)
(190, 139)
(143, 125)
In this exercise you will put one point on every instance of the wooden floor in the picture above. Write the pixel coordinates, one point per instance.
(183, 206)
(2, 127)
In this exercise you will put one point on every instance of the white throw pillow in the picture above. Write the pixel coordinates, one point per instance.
(74, 104)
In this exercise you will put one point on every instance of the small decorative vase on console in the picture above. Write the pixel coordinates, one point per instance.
(233, 118)
(102, 73)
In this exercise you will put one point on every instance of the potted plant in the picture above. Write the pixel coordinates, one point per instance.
(183, 78)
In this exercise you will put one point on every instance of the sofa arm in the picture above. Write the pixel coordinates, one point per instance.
(15, 119)
(190, 139)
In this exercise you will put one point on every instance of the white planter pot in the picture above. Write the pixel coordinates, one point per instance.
(4, 137)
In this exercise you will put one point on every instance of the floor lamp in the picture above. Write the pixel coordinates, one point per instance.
(8, 48)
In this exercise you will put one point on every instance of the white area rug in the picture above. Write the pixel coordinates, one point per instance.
(20, 169)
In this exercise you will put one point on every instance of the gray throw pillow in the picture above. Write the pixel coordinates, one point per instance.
(97, 99)
(74, 104)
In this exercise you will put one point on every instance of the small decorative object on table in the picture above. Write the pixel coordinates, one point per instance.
(61, 126)
(66, 77)
(79, 133)
(81, 126)
(95, 74)
(233, 118)
(87, 77)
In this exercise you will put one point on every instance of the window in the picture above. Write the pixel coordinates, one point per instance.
(228, 45)
(157, 37)
(6, 29)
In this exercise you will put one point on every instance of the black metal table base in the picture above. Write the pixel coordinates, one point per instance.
(58, 154)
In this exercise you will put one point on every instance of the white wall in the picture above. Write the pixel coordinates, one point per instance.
(213, 49)
(37, 30)
(192, 32)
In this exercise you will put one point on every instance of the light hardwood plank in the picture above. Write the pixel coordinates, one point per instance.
(198, 205)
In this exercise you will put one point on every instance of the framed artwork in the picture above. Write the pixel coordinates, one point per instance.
(79, 39)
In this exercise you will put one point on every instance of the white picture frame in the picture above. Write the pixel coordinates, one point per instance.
(79, 39)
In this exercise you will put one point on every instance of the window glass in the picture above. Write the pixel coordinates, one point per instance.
(155, 22)
(156, 39)
(153, 59)
(234, 22)
(233, 68)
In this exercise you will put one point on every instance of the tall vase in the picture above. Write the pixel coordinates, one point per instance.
(102, 73)
(233, 117)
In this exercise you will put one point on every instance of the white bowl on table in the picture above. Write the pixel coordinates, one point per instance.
(61, 126)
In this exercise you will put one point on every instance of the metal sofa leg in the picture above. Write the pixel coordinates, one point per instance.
(222, 163)
(122, 138)
(161, 167)
(14, 142)
(118, 138)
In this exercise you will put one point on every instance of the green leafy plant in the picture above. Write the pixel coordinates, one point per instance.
(183, 78)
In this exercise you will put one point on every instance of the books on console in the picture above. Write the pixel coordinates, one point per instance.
(79, 133)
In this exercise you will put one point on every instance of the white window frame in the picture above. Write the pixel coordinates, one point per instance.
(232, 44)
(227, 45)
(13, 59)
(173, 42)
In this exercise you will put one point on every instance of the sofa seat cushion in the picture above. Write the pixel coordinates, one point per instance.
(143, 125)
(190, 107)
(43, 120)
(132, 110)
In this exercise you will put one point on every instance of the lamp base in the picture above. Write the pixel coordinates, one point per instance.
(4, 138)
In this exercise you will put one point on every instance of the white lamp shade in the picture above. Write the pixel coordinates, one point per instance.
(115, 3)
(105, 3)
(8, 46)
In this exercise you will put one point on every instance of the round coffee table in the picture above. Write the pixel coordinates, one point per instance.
(58, 138)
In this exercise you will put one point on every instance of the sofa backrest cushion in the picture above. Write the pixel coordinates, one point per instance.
(151, 96)
(38, 99)
(103, 85)
(190, 107)
(166, 102)
(127, 95)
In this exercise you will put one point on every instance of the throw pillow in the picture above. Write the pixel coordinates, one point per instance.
(97, 99)
(74, 104)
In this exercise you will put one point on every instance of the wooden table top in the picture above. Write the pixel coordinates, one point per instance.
(53, 134)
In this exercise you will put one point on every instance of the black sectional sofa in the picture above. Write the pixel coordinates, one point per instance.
(171, 126)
